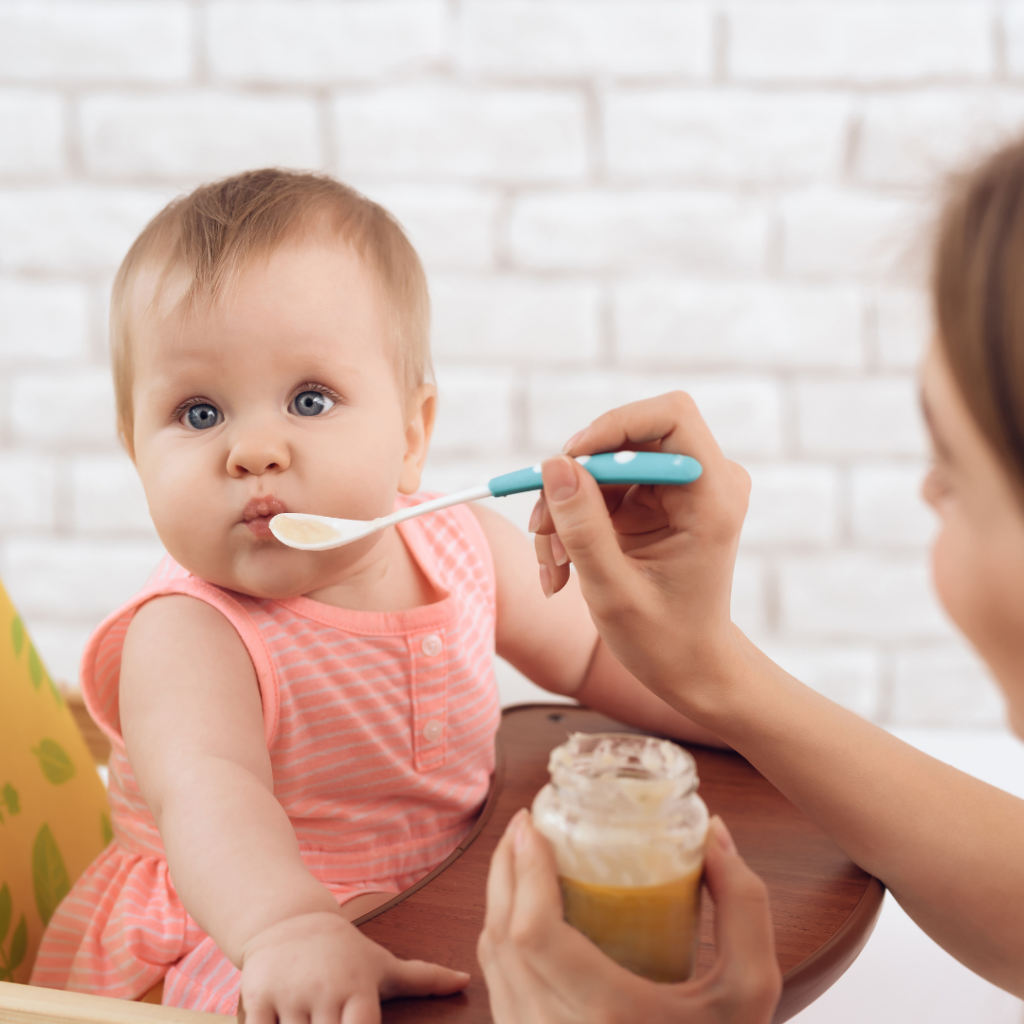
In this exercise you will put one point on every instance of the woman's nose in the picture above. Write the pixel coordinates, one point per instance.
(256, 452)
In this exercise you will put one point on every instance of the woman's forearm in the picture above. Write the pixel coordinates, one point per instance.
(233, 855)
(949, 847)
(613, 689)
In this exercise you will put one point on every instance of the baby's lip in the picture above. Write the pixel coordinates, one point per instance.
(261, 508)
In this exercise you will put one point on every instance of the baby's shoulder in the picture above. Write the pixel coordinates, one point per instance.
(183, 614)
(176, 635)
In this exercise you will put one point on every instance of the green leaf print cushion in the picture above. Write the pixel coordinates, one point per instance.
(54, 817)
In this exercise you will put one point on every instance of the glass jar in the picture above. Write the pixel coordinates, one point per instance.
(628, 828)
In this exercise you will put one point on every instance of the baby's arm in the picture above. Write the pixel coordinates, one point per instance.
(554, 642)
(192, 722)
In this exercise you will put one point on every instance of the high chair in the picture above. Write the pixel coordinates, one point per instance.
(54, 820)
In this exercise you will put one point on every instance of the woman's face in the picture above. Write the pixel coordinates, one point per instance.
(978, 556)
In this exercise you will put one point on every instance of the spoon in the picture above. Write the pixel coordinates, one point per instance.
(321, 533)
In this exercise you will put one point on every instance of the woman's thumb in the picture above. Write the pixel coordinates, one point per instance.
(581, 521)
(744, 933)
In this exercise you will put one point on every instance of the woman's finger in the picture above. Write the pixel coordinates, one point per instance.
(537, 909)
(746, 967)
(553, 576)
(504, 971)
(501, 884)
(583, 525)
(672, 420)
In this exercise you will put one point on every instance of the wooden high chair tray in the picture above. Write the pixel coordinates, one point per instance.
(824, 907)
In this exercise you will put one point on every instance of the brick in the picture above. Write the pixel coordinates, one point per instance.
(42, 322)
(515, 320)
(703, 233)
(689, 323)
(843, 234)
(28, 493)
(1013, 34)
(200, 134)
(946, 687)
(57, 577)
(452, 228)
(859, 41)
(318, 42)
(850, 676)
(792, 503)
(107, 497)
(749, 597)
(871, 416)
(475, 411)
(903, 322)
(717, 136)
(60, 646)
(858, 596)
(95, 40)
(32, 127)
(744, 412)
(428, 131)
(917, 139)
(75, 229)
(579, 38)
(65, 409)
(887, 507)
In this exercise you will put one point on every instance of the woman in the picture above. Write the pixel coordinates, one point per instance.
(657, 576)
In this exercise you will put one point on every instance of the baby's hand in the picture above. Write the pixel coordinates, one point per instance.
(318, 967)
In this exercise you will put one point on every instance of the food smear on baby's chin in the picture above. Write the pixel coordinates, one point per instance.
(305, 531)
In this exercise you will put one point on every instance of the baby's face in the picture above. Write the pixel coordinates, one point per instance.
(280, 398)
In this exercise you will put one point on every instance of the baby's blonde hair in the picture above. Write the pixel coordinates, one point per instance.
(218, 231)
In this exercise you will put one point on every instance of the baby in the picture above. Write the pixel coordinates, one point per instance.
(296, 736)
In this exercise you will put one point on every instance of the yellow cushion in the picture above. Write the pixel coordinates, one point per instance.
(54, 816)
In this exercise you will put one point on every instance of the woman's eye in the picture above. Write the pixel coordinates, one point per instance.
(202, 416)
(311, 403)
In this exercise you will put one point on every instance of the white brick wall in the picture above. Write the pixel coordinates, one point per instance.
(314, 42)
(612, 198)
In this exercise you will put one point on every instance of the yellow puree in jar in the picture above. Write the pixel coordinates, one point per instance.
(651, 929)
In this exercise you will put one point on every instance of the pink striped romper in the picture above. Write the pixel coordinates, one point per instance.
(380, 727)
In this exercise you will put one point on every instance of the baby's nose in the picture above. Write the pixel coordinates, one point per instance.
(256, 454)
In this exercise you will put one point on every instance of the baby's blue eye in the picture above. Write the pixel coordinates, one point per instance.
(202, 416)
(311, 403)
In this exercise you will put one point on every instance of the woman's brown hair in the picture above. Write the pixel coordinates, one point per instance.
(978, 295)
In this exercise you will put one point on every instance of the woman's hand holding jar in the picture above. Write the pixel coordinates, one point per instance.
(540, 970)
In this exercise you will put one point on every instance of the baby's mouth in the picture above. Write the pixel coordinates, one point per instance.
(259, 511)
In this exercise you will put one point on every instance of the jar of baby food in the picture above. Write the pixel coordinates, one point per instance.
(628, 828)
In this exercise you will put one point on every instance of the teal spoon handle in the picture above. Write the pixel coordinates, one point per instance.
(610, 468)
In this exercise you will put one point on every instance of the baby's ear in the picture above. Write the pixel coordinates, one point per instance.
(419, 425)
